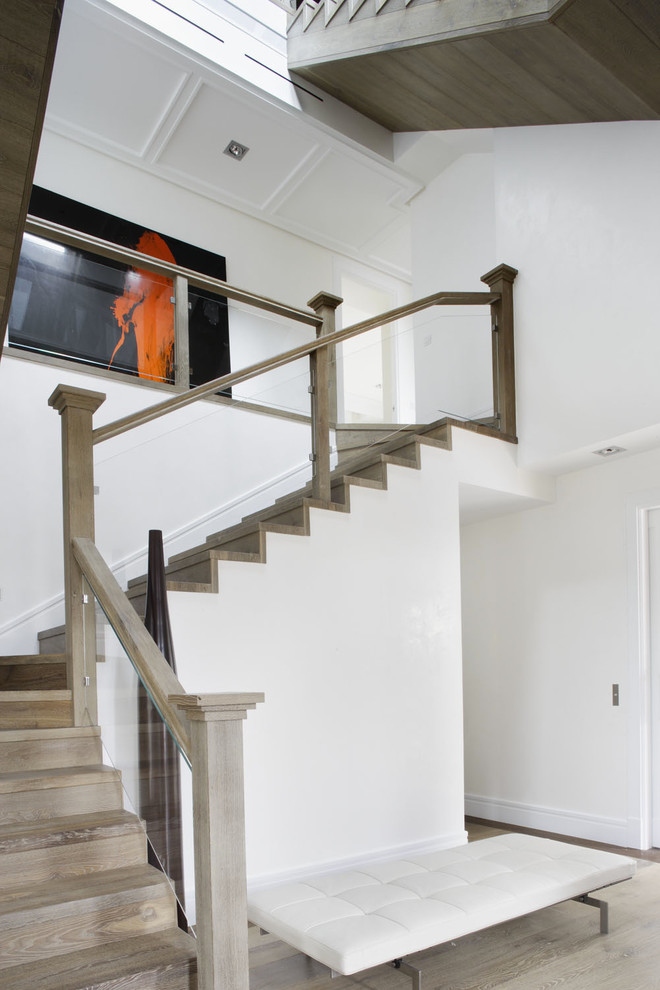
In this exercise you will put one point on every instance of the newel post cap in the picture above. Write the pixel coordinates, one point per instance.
(68, 396)
(216, 707)
(503, 273)
(322, 299)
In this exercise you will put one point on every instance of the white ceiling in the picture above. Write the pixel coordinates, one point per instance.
(123, 87)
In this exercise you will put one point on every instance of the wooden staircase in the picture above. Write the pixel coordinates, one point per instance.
(79, 906)
(80, 909)
(195, 569)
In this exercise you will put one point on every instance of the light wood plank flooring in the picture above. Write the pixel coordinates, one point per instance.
(559, 947)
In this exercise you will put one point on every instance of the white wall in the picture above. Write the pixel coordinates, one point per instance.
(453, 245)
(573, 208)
(576, 211)
(354, 635)
(546, 633)
(545, 591)
(189, 474)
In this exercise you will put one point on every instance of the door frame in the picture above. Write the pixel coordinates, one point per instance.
(400, 293)
(640, 740)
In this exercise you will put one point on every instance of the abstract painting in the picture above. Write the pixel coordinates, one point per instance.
(74, 304)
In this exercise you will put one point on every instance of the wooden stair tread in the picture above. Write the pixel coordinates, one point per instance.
(25, 697)
(66, 732)
(33, 780)
(157, 960)
(110, 887)
(24, 836)
(38, 658)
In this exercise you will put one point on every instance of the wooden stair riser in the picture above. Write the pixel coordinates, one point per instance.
(409, 452)
(373, 472)
(35, 709)
(291, 515)
(440, 432)
(33, 672)
(162, 961)
(66, 848)
(139, 603)
(57, 919)
(241, 542)
(202, 570)
(45, 749)
(52, 640)
(36, 799)
(341, 489)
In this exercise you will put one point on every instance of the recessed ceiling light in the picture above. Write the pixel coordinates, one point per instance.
(608, 451)
(236, 150)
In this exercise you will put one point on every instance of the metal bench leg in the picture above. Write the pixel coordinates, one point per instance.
(604, 910)
(411, 971)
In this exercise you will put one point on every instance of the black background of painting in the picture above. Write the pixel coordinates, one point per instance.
(209, 325)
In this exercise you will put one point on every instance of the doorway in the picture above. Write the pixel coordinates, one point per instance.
(654, 637)
(367, 364)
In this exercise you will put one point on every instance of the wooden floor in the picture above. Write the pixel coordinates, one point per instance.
(559, 947)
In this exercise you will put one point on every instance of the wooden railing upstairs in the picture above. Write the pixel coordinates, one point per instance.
(212, 742)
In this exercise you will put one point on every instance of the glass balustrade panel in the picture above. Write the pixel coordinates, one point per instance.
(156, 777)
(413, 373)
(71, 304)
(257, 336)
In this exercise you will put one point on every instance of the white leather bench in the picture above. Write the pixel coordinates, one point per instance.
(381, 912)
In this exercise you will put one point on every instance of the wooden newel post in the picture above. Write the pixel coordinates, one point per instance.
(323, 372)
(501, 280)
(219, 827)
(76, 407)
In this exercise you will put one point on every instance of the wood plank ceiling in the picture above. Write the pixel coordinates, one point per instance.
(586, 60)
(28, 36)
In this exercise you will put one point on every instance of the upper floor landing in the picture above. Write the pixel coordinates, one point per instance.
(446, 64)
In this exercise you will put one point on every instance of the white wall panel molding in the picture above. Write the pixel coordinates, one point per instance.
(100, 71)
(169, 106)
(166, 126)
(295, 180)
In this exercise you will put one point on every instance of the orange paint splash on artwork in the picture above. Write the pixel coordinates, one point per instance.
(145, 309)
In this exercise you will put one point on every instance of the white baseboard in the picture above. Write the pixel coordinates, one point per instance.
(614, 831)
(448, 841)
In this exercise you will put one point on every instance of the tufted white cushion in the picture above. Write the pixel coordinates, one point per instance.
(384, 911)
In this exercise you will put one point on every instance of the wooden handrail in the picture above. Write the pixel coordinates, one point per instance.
(86, 242)
(126, 423)
(153, 670)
